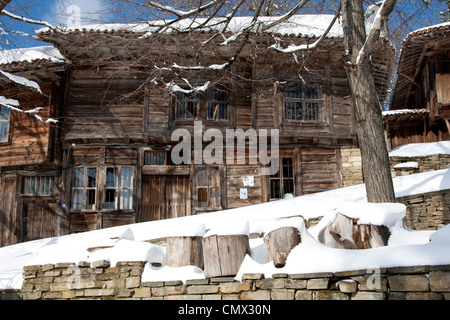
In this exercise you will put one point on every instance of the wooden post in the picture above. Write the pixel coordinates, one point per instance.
(184, 251)
(223, 254)
(279, 244)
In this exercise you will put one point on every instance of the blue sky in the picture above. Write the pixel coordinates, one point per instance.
(56, 12)
(63, 12)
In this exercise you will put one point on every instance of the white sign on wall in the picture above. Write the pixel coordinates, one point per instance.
(243, 193)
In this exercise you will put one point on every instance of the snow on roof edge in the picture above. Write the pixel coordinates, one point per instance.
(299, 25)
(31, 54)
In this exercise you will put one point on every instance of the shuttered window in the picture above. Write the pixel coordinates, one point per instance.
(208, 187)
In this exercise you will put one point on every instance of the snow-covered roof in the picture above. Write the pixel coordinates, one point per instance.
(126, 243)
(32, 54)
(411, 52)
(309, 25)
(428, 29)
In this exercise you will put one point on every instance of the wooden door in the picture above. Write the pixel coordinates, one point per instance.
(165, 197)
(41, 220)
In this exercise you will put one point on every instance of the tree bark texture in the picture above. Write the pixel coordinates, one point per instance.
(368, 118)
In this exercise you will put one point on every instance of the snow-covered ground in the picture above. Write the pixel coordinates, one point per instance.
(127, 243)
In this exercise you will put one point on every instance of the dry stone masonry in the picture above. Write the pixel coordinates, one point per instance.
(101, 281)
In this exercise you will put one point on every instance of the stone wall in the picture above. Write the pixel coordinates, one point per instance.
(429, 163)
(429, 211)
(351, 167)
(101, 281)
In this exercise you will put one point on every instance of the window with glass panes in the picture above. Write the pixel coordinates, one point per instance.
(5, 116)
(38, 186)
(119, 188)
(186, 106)
(303, 101)
(208, 187)
(282, 182)
(158, 158)
(217, 103)
(84, 193)
(213, 104)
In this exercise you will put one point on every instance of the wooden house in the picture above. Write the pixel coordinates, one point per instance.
(30, 150)
(420, 103)
(126, 94)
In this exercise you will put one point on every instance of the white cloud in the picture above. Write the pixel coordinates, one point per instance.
(76, 12)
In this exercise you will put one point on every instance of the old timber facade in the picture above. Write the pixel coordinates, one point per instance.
(122, 96)
(420, 105)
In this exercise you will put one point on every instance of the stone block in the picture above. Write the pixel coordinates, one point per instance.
(348, 286)
(409, 283)
(152, 284)
(98, 292)
(132, 282)
(184, 297)
(283, 294)
(303, 295)
(142, 293)
(311, 275)
(295, 283)
(31, 295)
(330, 295)
(368, 295)
(235, 287)
(256, 295)
(440, 281)
(51, 295)
(212, 297)
(123, 293)
(252, 276)
(172, 290)
(197, 282)
(203, 289)
(32, 268)
(52, 273)
(317, 284)
(270, 283)
(64, 264)
(424, 296)
(101, 264)
(84, 264)
(48, 266)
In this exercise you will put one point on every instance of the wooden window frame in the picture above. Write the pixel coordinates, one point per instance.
(118, 188)
(205, 101)
(38, 186)
(303, 100)
(8, 121)
(280, 176)
(156, 155)
(85, 188)
(101, 189)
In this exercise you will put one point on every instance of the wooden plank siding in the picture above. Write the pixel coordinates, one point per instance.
(116, 105)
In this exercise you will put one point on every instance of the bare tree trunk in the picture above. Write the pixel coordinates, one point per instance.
(368, 118)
